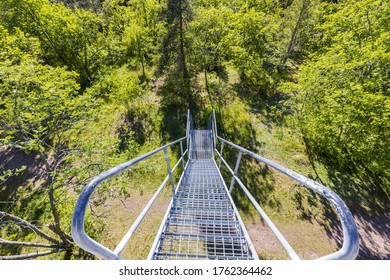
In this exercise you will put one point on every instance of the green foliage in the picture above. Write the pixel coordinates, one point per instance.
(342, 101)
(208, 37)
(249, 49)
(38, 102)
(119, 85)
(78, 39)
(87, 85)
(236, 125)
(39, 107)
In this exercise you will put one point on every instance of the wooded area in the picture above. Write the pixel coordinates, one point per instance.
(86, 85)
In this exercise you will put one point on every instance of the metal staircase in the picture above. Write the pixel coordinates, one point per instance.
(202, 221)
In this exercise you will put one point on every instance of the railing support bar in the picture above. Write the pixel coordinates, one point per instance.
(290, 251)
(162, 225)
(122, 244)
(169, 169)
(235, 170)
(220, 155)
(350, 248)
(181, 153)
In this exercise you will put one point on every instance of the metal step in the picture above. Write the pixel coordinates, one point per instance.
(192, 246)
(202, 222)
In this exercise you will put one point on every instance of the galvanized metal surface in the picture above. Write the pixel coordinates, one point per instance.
(201, 144)
(78, 232)
(202, 221)
(350, 248)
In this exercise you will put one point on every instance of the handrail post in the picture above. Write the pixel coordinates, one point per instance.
(235, 170)
(220, 155)
(214, 128)
(188, 128)
(181, 153)
(215, 124)
(169, 169)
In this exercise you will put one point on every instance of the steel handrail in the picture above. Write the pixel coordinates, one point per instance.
(78, 232)
(350, 247)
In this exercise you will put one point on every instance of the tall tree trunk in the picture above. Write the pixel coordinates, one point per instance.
(56, 226)
(292, 42)
(182, 67)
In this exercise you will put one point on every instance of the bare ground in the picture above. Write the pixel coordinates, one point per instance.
(374, 233)
(122, 214)
(310, 239)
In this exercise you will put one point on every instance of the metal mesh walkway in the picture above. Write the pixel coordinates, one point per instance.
(203, 223)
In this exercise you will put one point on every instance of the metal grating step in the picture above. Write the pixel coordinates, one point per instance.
(202, 203)
(210, 247)
(203, 227)
(202, 222)
(208, 214)
(173, 256)
(194, 195)
(201, 146)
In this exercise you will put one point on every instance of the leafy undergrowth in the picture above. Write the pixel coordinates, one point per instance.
(307, 221)
(298, 213)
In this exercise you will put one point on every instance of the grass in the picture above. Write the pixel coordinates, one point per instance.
(297, 212)
(307, 236)
(123, 197)
(286, 203)
(126, 213)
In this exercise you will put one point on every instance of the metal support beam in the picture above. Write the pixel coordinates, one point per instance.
(220, 155)
(169, 169)
(235, 170)
(181, 153)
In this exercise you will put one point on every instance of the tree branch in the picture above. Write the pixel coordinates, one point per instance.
(27, 244)
(56, 226)
(30, 256)
(28, 225)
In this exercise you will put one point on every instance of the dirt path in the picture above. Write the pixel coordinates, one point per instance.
(374, 233)
(309, 239)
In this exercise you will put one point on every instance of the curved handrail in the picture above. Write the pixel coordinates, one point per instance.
(78, 232)
(350, 248)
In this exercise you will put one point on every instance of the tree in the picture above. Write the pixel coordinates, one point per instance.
(39, 107)
(208, 34)
(250, 49)
(71, 38)
(142, 33)
(342, 95)
(173, 59)
(300, 9)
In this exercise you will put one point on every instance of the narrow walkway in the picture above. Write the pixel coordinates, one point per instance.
(203, 222)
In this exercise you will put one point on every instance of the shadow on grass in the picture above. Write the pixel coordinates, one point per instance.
(177, 97)
(260, 182)
(368, 203)
(13, 159)
(264, 103)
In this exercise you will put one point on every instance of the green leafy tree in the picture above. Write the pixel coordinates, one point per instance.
(39, 107)
(208, 34)
(72, 38)
(342, 96)
(250, 47)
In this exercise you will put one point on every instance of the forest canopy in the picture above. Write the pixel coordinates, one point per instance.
(128, 70)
